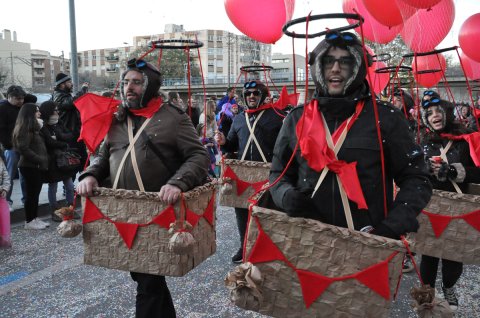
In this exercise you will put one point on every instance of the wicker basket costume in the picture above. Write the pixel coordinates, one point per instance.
(129, 230)
(312, 269)
(243, 178)
(450, 228)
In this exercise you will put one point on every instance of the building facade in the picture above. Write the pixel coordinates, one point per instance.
(44, 69)
(15, 61)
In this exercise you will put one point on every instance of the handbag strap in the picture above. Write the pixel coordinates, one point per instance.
(131, 146)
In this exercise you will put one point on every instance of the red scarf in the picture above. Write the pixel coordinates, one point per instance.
(148, 111)
(256, 110)
(313, 145)
(473, 140)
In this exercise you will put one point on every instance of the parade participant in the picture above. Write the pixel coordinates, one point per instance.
(33, 161)
(169, 156)
(9, 109)
(69, 115)
(5, 241)
(229, 97)
(343, 108)
(451, 169)
(264, 123)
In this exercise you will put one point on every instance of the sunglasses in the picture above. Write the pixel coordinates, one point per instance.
(134, 63)
(251, 84)
(430, 102)
(345, 62)
(248, 93)
(429, 93)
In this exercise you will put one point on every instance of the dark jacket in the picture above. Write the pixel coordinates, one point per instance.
(8, 117)
(403, 163)
(32, 150)
(459, 153)
(266, 132)
(184, 163)
(69, 114)
(56, 139)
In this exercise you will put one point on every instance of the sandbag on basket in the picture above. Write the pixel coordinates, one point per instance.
(240, 179)
(312, 269)
(115, 220)
(455, 234)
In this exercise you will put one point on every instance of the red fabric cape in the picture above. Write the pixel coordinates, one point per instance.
(473, 140)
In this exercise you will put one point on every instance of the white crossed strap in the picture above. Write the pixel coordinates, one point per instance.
(443, 155)
(336, 148)
(252, 136)
(132, 140)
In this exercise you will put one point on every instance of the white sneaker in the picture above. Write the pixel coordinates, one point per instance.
(46, 224)
(33, 225)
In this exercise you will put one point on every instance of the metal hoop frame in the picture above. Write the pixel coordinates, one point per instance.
(170, 44)
(354, 16)
(394, 69)
(255, 68)
(384, 57)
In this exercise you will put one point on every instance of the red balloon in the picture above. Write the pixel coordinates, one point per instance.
(472, 68)
(372, 29)
(389, 14)
(379, 80)
(469, 37)
(260, 20)
(423, 31)
(429, 63)
(421, 4)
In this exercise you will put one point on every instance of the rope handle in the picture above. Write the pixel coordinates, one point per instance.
(409, 253)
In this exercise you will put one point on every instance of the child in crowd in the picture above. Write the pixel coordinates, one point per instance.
(4, 210)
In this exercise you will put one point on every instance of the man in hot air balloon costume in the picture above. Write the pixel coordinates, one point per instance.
(169, 156)
(337, 132)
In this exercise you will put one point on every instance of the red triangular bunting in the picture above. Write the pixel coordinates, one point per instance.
(264, 250)
(127, 232)
(192, 217)
(473, 218)
(257, 186)
(439, 222)
(91, 212)
(208, 213)
(375, 277)
(241, 186)
(165, 218)
(313, 285)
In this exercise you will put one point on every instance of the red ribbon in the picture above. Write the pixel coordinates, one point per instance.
(148, 111)
(473, 141)
(440, 222)
(312, 137)
(242, 185)
(313, 285)
(128, 231)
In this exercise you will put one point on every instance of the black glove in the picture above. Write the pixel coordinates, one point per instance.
(299, 204)
(383, 230)
(447, 171)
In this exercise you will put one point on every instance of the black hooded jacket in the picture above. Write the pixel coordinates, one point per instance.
(403, 164)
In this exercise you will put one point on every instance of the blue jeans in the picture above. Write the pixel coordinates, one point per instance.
(11, 161)
(52, 192)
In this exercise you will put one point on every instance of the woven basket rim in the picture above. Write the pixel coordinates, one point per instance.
(457, 196)
(247, 163)
(152, 196)
(344, 233)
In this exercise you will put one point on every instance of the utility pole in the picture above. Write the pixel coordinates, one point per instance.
(73, 46)
(11, 66)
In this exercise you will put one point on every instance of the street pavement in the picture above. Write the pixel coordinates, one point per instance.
(43, 275)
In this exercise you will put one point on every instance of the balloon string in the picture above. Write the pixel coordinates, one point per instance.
(306, 56)
(294, 65)
(377, 120)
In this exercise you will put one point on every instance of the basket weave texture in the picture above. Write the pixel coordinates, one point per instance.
(457, 239)
(149, 253)
(248, 171)
(325, 250)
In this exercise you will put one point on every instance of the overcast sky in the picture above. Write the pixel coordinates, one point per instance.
(110, 23)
